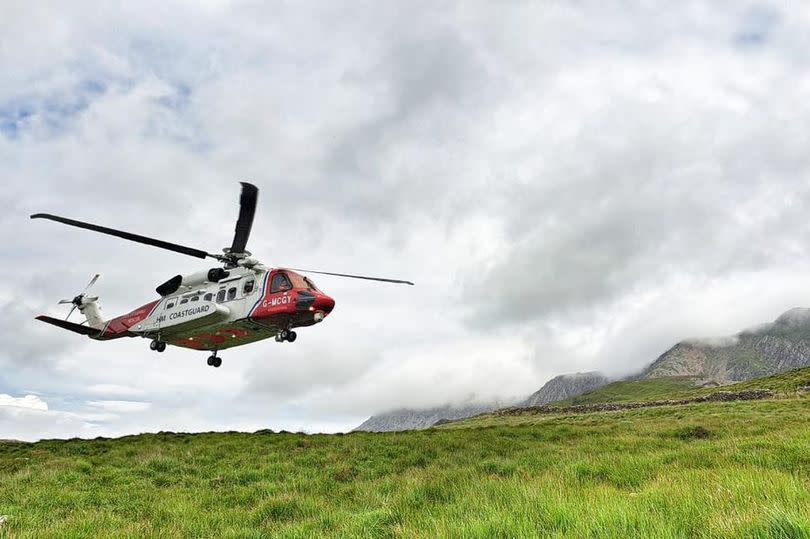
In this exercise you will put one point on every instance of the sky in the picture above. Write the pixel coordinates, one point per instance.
(572, 186)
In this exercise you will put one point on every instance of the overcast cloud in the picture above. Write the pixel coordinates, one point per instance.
(572, 186)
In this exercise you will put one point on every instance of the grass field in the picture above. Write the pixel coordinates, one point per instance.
(739, 469)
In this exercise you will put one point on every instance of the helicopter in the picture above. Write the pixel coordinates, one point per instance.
(239, 302)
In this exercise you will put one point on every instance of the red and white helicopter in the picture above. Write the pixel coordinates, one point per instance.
(239, 303)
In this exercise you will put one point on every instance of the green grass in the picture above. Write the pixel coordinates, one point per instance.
(636, 391)
(684, 388)
(784, 383)
(737, 469)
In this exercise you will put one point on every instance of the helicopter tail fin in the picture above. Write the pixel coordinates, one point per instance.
(70, 326)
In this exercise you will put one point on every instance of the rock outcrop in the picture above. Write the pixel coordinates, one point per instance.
(565, 386)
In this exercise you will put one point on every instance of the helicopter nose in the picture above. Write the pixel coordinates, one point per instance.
(324, 303)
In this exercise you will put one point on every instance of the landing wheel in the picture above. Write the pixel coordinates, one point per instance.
(153, 345)
(214, 361)
(285, 335)
(161, 346)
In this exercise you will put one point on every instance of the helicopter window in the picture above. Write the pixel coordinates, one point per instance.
(195, 298)
(247, 288)
(310, 284)
(221, 296)
(208, 297)
(170, 303)
(184, 300)
(231, 293)
(280, 283)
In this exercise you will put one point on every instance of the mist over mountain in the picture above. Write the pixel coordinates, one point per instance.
(409, 419)
(558, 388)
(767, 349)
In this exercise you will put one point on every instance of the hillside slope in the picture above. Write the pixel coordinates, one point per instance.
(633, 394)
(684, 387)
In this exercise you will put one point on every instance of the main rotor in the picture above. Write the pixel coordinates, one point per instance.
(233, 256)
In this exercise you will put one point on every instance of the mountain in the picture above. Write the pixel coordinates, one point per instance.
(565, 386)
(408, 419)
(558, 388)
(768, 349)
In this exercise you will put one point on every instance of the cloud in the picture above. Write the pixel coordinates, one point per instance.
(119, 407)
(29, 418)
(109, 390)
(32, 345)
(31, 402)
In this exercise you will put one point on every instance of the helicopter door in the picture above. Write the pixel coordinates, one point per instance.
(280, 300)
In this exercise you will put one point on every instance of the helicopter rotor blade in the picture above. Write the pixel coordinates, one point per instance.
(64, 301)
(91, 283)
(365, 277)
(71, 311)
(182, 249)
(247, 209)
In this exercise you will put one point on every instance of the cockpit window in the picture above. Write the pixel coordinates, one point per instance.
(280, 283)
(301, 282)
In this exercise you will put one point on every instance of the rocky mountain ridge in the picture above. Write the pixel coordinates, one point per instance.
(767, 349)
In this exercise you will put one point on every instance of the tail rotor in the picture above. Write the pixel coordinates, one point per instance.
(82, 300)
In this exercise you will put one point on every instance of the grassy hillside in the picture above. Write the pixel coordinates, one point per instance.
(684, 388)
(639, 390)
(738, 469)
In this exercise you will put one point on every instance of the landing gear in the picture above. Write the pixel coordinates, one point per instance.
(157, 346)
(214, 361)
(286, 335)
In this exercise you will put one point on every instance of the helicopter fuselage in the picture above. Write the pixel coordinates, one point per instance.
(246, 305)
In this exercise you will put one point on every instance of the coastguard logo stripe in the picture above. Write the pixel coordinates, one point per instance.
(154, 308)
(261, 294)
